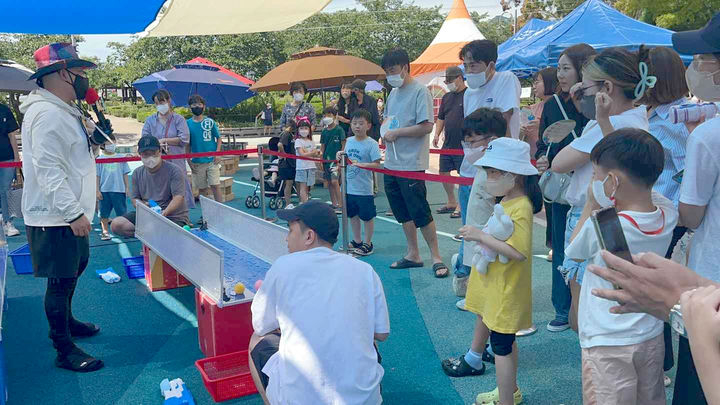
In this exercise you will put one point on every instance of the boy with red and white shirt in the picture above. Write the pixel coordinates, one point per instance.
(622, 354)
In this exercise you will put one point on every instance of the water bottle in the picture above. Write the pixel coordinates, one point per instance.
(154, 206)
(692, 112)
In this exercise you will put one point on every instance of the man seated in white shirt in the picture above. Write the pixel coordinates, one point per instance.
(622, 354)
(316, 318)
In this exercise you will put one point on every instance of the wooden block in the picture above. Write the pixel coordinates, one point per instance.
(226, 182)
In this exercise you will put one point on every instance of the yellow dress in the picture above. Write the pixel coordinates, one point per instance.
(503, 296)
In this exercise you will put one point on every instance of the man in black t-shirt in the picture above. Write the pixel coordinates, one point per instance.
(8, 152)
(450, 119)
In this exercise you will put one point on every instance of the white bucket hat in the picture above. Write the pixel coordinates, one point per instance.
(509, 155)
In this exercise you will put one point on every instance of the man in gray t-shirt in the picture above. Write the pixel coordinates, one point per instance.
(155, 181)
(409, 112)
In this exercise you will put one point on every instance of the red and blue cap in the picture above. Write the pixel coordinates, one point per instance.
(58, 56)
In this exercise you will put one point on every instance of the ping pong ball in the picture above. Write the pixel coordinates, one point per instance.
(258, 284)
(239, 288)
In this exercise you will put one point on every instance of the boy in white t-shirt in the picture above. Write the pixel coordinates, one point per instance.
(305, 169)
(622, 355)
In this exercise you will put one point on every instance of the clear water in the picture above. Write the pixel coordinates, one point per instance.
(239, 265)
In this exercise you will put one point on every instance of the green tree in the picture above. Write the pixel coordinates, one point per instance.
(497, 29)
(677, 15)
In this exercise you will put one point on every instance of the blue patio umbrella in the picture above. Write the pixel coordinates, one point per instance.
(217, 88)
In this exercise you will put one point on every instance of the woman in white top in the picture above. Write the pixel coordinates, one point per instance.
(613, 81)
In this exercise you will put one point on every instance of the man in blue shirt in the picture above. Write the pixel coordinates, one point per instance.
(204, 137)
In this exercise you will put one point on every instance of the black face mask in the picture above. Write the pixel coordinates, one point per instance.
(81, 85)
(587, 106)
(197, 110)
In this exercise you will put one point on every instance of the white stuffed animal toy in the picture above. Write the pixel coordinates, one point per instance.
(500, 227)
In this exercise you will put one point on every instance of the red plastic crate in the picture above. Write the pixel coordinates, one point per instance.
(227, 376)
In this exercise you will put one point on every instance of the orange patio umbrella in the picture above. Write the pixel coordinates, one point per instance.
(319, 68)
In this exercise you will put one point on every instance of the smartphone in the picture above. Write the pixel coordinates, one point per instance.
(610, 234)
(679, 176)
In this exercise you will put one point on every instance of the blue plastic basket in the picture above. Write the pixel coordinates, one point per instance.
(134, 267)
(21, 260)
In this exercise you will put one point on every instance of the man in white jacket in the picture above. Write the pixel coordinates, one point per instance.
(59, 193)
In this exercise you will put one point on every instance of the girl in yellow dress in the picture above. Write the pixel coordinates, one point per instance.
(502, 297)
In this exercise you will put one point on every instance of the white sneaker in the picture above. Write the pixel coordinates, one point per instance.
(461, 305)
(526, 332)
(289, 207)
(667, 381)
(10, 230)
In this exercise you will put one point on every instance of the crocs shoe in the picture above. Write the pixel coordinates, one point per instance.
(458, 367)
(461, 305)
(493, 397)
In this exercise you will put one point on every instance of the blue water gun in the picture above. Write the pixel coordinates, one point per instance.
(154, 206)
(175, 392)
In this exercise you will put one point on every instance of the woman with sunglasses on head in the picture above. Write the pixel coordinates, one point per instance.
(561, 106)
(613, 81)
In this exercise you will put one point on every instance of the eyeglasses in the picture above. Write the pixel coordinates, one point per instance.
(581, 91)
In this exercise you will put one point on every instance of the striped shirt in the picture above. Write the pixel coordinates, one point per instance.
(673, 138)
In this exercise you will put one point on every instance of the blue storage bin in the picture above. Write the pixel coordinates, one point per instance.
(134, 267)
(21, 260)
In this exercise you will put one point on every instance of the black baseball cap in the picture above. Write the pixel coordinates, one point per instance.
(704, 40)
(316, 215)
(148, 142)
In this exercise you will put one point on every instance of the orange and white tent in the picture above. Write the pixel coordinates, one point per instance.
(457, 30)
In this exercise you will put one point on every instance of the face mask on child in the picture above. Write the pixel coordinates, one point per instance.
(151, 162)
(110, 148)
(304, 132)
(500, 187)
(327, 121)
(598, 190)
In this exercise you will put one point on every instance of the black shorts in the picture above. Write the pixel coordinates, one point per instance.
(56, 252)
(327, 173)
(131, 216)
(286, 173)
(449, 163)
(261, 353)
(408, 200)
(362, 206)
(267, 347)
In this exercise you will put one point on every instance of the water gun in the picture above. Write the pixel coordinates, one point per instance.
(154, 206)
(175, 392)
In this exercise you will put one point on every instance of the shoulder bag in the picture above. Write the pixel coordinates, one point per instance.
(554, 185)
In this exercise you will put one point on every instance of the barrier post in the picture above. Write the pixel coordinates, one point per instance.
(261, 160)
(343, 191)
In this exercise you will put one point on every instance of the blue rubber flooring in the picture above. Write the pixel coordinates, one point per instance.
(147, 337)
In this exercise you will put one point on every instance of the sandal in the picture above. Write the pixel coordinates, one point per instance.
(458, 367)
(456, 214)
(445, 210)
(439, 267)
(83, 329)
(406, 264)
(105, 236)
(77, 360)
(389, 214)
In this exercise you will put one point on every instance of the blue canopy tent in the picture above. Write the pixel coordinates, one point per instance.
(594, 23)
(530, 28)
(217, 88)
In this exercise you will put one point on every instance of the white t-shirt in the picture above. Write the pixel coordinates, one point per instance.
(306, 143)
(700, 187)
(591, 135)
(502, 92)
(597, 326)
(328, 307)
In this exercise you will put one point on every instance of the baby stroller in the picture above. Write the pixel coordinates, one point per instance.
(273, 186)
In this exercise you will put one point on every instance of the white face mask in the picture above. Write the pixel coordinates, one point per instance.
(151, 162)
(380, 103)
(501, 186)
(395, 80)
(327, 121)
(163, 108)
(701, 84)
(110, 148)
(452, 86)
(472, 154)
(475, 80)
(298, 97)
(304, 132)
(598, 190)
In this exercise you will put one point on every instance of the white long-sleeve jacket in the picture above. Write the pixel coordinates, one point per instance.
(58, 166)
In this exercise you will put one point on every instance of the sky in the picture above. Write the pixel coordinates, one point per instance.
(96, 45)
